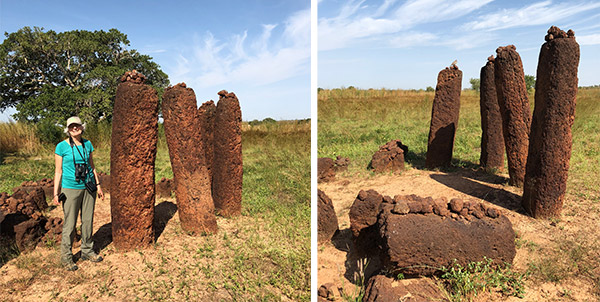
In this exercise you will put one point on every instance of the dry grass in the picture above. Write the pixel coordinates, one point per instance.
(18, 137)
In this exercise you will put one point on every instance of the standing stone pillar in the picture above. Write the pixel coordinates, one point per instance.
(514, 108)
(192, 181)
(227, 160)
(132, 154)
(207, 123)
(550, 142)
(444, 118)
(492, 142)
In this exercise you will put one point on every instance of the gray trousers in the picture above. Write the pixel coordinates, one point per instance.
(79, 202)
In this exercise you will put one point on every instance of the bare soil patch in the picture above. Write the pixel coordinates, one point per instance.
(538, 241)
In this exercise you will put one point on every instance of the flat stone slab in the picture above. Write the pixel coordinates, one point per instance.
(417, 236)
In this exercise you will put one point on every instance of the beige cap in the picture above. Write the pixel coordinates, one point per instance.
(74, 120)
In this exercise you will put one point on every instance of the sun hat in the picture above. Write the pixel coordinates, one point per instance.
(74, 120)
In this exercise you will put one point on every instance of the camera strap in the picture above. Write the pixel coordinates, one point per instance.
(72, 143)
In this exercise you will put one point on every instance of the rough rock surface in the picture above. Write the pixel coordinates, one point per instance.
(389, 157)
(47, 184)
(325, 169)
(514, 108)
(227, 160)
(207, 127)
(327, 222)
(426, 237)
(341, 163)
(363, 217)
(104, 181)
(383, 289)
(553, 116)
(492, 141)
(444, 118)
(28, 233)
(133, 151)
(191, 178)
(164, 188)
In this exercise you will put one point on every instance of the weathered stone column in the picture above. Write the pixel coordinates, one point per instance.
(553, 116)
(132, 155)
(514, 108)
(207, 123)
(183, 132)
(227, 160)
(444, 118)
(492, 142)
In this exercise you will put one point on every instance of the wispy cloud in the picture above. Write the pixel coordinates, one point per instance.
(588, 39)
(535, 14)
(356, 22)
(268, 57)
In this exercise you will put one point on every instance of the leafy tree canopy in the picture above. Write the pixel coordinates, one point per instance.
(529, 82)
(475, 84)
(50, 76)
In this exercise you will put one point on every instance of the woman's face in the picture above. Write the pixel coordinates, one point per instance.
(75, 129)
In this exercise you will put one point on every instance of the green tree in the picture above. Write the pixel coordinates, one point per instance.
(49, 76)
(529, 82)
(475, 84)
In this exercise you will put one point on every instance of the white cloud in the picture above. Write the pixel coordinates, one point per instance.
(588, 39)
(356, 23)
(267, 58)
(412, 39)
(535, 14)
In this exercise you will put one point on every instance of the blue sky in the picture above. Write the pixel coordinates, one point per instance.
(404, 44)
(259, 49)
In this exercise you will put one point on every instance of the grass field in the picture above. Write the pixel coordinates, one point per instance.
(560, 254)
(354, 123)
(264, 255)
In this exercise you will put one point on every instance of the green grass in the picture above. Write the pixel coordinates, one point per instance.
(354, 123)
(466, 283)
(260, 256)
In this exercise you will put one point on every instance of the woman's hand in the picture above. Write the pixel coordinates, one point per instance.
(100, 193)
(55, 200)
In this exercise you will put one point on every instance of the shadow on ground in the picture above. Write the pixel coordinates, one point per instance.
(464, 181)
(163, 212)
(342, 240)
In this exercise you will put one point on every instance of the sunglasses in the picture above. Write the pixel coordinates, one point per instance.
(72, 126)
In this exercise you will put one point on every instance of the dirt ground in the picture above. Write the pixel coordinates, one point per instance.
(178, 267)
(338, 262)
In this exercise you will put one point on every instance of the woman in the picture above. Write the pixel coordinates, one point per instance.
(73, 156)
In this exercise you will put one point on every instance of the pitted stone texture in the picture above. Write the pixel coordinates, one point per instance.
(383, 289)
(28, 233)
(341, 163)
(363, 217)
(492, 141)
(327, 223)
(325, 169)
(514, 108)
(553, 116)
(207, 125)
(389, 157)
(418, 243)
(191, 178)
(47, 184)
(444, 118)
(164, 188)
(104, 181)
(227, 160)
(133, 151)
(134, 77)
